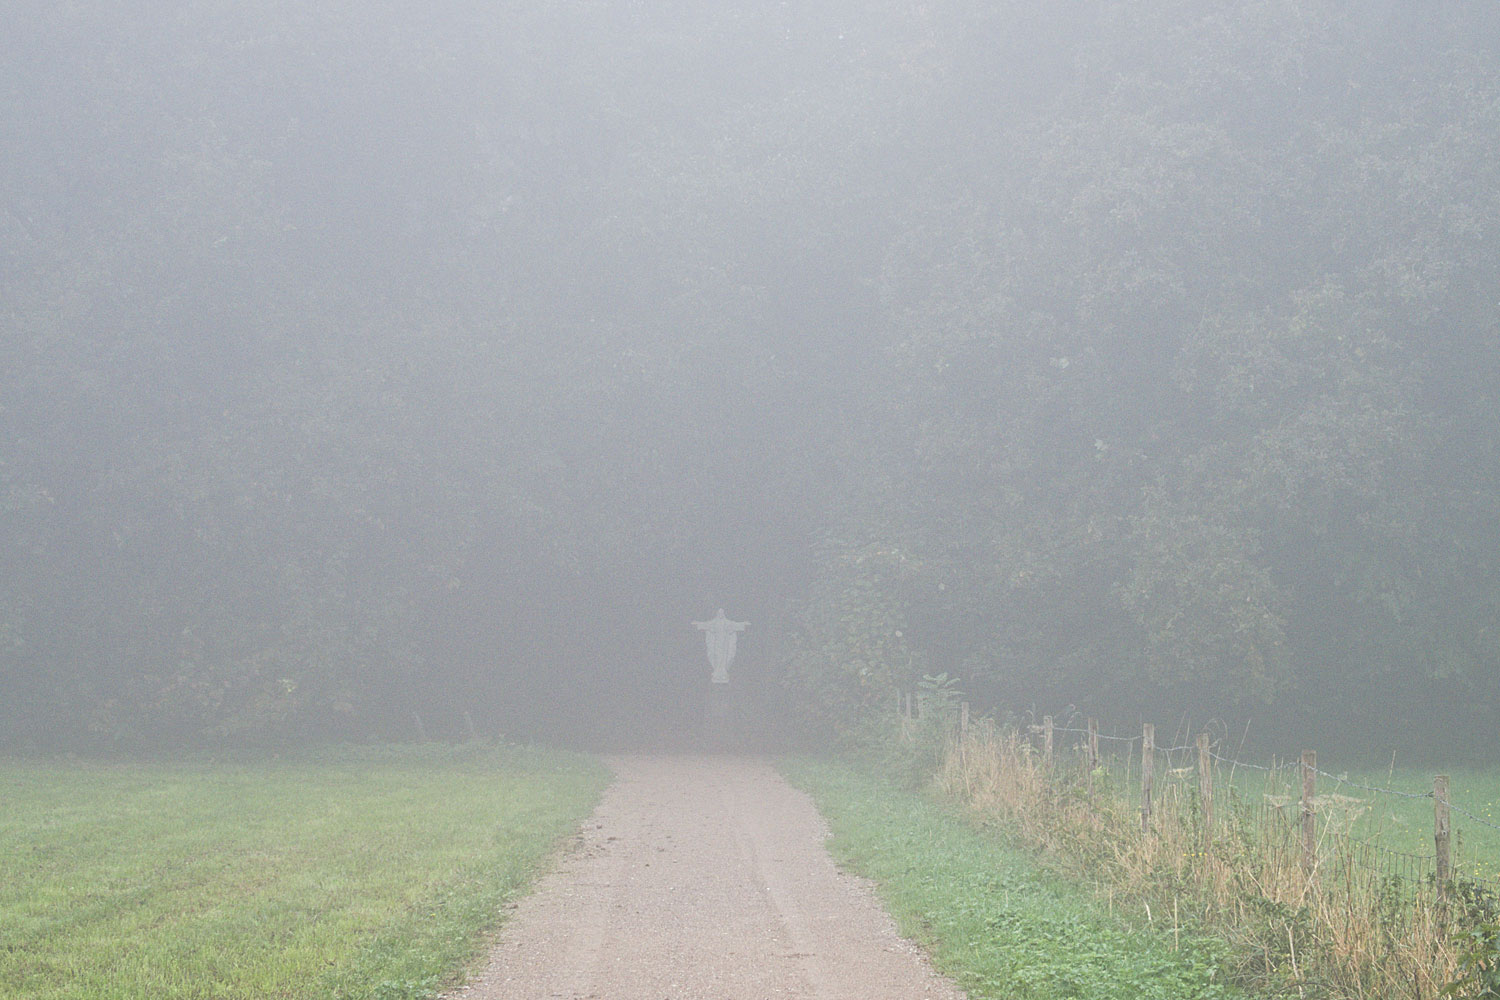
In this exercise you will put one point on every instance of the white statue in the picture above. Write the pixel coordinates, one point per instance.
(722, 635)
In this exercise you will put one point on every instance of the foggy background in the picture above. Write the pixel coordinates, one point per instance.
(364, 359)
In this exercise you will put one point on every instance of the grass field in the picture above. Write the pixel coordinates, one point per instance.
(995, 923)
(358, 873)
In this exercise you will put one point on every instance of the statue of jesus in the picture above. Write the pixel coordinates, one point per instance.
(722, 635)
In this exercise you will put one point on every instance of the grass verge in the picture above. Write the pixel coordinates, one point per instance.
(989, 917)
(349, 873)
(1354, 912)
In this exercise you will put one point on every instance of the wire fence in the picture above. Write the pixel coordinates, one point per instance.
(1469, 815)
(1325, 868)
(1438, 870)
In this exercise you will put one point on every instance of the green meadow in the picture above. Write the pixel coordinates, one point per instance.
(349, 873)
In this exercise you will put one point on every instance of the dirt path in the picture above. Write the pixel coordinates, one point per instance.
(703, 877)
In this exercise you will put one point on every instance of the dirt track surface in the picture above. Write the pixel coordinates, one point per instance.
(703, 877)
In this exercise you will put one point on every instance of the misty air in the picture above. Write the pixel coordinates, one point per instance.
(968, 498)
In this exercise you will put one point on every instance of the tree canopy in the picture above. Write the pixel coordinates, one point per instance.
(422, 356)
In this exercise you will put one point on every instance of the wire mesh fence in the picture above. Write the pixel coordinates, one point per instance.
(1246, 837)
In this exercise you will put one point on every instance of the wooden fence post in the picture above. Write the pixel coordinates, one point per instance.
(1309, 819)
(1047, 739)
(473, 734)
(421, 729)
(1148, 766)
(1441, 835)
(1206, 793)
(1093, 756)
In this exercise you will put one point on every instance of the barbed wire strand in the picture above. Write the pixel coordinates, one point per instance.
(1464, 812)
(1085, 732)
(1373, 788)
(1258, 767)
(1362, 844)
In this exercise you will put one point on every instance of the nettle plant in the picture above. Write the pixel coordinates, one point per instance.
(1478, 944)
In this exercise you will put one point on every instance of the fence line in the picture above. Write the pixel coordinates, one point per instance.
(1241, 763)
(1102, 736)
(1376, 789)
(1288, 771)
(1377, 910)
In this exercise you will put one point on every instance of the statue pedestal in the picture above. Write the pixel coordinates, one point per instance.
(721, 716)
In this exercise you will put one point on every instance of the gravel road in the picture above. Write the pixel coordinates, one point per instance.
(703, 877)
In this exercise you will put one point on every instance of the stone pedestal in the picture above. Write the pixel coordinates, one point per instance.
(722, 722)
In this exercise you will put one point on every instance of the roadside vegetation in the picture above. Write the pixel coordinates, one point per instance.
(989, 915)
(1356, 905)
(349, 873)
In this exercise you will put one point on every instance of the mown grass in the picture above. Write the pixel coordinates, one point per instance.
(990, 918)
(353, 873)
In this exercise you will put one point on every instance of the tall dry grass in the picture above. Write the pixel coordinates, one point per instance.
(1355, 927)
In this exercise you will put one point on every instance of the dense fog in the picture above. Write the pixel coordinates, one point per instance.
(364, 360)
